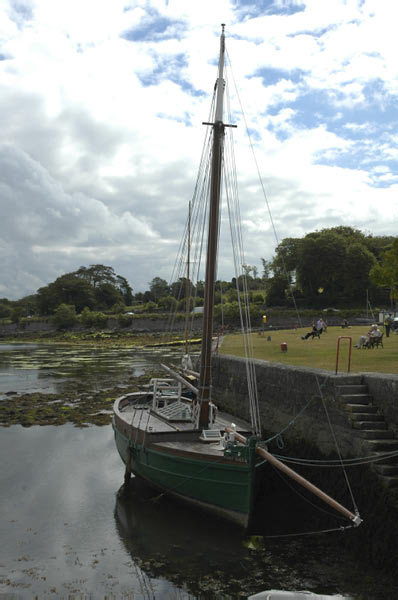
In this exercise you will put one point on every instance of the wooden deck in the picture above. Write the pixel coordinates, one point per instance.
(147, 420)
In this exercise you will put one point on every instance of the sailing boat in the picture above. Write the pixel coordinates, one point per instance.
(172, 434)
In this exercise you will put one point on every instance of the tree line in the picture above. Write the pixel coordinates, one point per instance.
(338, 266)
(335, 267)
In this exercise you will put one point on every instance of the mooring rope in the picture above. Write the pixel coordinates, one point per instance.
(337, 448)
(333, 463)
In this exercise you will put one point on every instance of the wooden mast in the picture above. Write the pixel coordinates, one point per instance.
(212, 243)
(188, 283)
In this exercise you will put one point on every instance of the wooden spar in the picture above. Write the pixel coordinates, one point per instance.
(187, 371)
(188, 283)
(299, 479)
(212, 244)
(180, 379)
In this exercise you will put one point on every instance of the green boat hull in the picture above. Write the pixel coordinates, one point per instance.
(225, 488)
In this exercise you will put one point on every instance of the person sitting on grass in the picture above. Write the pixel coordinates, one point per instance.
(364, 340)
(315, 332)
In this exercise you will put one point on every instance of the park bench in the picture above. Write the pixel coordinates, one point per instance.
(374, 342)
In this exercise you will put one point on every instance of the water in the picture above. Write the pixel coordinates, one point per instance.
(68, 529)
(45, 367)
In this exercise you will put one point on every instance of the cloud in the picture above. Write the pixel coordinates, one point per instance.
(102, 107)
(45, 229)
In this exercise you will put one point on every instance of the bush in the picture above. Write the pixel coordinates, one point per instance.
(125, 320)
(86, 317)
(5, 311)
(118, 308)
(167, 303)
(149, 307)
(99, 319)
(65, 316)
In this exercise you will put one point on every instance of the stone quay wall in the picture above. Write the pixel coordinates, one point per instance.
(384, 389)
(294, 400)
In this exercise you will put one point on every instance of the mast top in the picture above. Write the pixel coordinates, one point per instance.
(220, 79)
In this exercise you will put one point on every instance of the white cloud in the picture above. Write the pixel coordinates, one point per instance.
(102, 105)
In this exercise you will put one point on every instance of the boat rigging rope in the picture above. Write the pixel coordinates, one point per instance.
(196, 226)
(331, 464)
(285, 270)
(291, 422)
(337, 448)
(297, 492)
(288, 278)
(305, 533)
(232, 196)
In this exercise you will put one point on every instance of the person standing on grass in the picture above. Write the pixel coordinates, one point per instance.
(388, 321)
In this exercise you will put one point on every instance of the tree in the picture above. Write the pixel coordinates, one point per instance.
(358, 263)
(29, 304)
(86, 317)
(5, 310)
(17, 314)
(100, 320)
(97, 275)
(107, 295)
(125, 289)
(118, 308)
(267, 268)
(277, 290)
(325, 267)
(67, 289)
(167, 303)
(96, 286)
(158, 288)
(179, 288)
(65, 316)
(321, 257)
(385, 274)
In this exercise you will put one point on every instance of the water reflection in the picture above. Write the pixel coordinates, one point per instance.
(57, 531)
(148, 523)
(45, 367)
(205, 555)
(65, 526)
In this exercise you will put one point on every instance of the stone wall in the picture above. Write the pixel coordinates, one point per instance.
(292, 400)
(138, 325)
(286, 392)
(384, 389)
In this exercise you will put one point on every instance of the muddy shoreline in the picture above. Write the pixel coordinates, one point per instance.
(79, 404)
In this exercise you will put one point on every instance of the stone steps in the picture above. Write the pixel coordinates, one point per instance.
(390, 482)
(362, 417)
(388, 470)
(346, 390)
(377, 445)
(386, 462)
(363, 399)
(376, 435)
(371, 426)
(362, 408)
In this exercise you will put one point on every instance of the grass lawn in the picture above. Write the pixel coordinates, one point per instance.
(319, 353)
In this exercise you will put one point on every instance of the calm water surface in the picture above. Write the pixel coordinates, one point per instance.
(45, 367)
(68, 530)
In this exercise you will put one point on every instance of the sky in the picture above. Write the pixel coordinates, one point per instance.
(101, 111)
